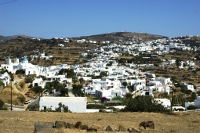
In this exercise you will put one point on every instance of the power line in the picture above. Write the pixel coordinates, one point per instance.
(7, 2)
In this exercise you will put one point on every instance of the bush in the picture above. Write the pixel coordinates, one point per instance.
(96, 106)
(77, 90)
(2, 84)
(20, 71)
(2, 105)
(37, 89)
(33, 107)
(28, 80)
(191, 107)
(21, 98)
(62, 107)
(144, 104)
(183, 90)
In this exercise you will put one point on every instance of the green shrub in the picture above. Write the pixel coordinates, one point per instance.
(144, 104)
(20, 71)
(191, 107)
(21, 98)
(62, 107)
(2, 84)
(2, 105)
(33, 107)
(96, 106)
(28, 80)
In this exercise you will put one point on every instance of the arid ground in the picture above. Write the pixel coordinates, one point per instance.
(23, 121)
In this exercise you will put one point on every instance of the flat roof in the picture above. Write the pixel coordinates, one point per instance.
(67, 99)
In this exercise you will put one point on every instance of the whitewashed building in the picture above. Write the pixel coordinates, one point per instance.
(74, 104)
(5, 78)
(163, 101)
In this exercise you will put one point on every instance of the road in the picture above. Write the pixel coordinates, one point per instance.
(21, 108)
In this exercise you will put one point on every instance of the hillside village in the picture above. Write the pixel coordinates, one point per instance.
(105, 74)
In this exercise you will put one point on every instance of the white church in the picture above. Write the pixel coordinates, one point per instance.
(16, 65)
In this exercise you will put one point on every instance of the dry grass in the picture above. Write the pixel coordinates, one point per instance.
(23, 122)
(5, 93)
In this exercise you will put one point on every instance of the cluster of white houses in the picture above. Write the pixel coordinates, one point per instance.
(109, 86)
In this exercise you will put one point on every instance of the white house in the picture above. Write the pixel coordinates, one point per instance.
(60, 45)
(163, 80)
(5, 78)
(74, 104)
(188, 87)
(163, 101)
(197, 102)
(37, 82)
(147, 93)
(162, 88)
(84, 54)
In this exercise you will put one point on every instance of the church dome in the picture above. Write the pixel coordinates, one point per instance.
(16, 60)
(24, 60)
(8, 61)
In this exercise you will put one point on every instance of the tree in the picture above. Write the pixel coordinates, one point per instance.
(20, 71)
(63, 92)
(130, 87)
(144, 104)
(193, 96)
(124, 83)
(49, 86)
(82, 81)
(37, 89)
(70, 74)
(62, 107)
(77, 90)
(128, 96)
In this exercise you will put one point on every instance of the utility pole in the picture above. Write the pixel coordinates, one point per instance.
(12, 79)
(172, 100)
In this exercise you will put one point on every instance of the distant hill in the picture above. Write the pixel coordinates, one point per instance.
(112, 37)
(121, 36)
(6, 38)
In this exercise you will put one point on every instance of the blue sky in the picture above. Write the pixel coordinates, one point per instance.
(74, 18)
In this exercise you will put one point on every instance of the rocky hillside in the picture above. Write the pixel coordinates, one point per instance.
(122, 36)
(19, 46)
